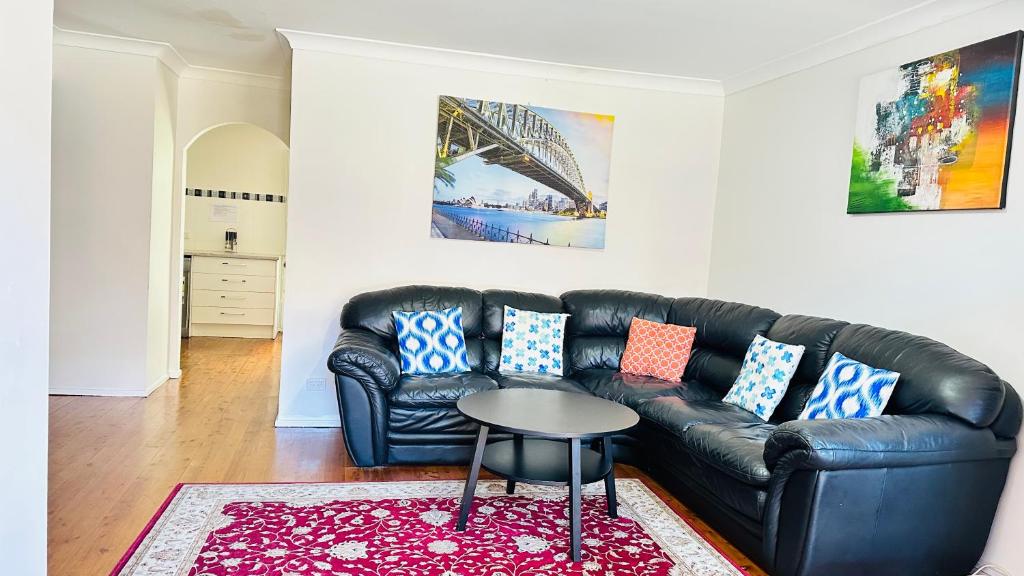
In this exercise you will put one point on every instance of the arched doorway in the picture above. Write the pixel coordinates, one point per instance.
(232, 234)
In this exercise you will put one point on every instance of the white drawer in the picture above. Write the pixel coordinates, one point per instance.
(244, 266)
(232, 299)
(233, 282)
(219, 315)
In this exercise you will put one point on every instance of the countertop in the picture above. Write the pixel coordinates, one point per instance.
(224, 254)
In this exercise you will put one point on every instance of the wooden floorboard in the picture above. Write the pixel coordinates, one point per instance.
(114, 460)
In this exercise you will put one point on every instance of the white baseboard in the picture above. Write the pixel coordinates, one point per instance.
(174, 374)
(156, 384)
(79, 391)
(307, 422)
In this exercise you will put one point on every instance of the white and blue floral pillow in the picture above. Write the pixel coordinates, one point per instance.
(767, 369)
(850, 389)
(431, 342)
(532, 342)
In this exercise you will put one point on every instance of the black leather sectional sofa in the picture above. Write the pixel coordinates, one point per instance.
(910, 492)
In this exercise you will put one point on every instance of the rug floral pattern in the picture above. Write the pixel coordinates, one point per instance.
(408, 529)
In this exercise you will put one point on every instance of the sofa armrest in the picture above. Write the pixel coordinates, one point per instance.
(882, 442)
(365, 357)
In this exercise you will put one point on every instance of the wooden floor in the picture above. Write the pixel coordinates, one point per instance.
(114, 460)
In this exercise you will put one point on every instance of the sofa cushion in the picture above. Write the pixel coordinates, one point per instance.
(372, 310)
(657, 349)
(724, 331)
(632, 390)
(934, 378)
(677, 415)
(735, 449)
(438, 390)
(816, 336)
(424, 421)
(599, 322)
(541, 381)
(494, 302)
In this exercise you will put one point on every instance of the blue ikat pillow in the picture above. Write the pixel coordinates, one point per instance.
(532, 342)
(764, 378)
(850, 389)
(431, 342)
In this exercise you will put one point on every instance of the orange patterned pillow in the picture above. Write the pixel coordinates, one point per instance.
(659, 350)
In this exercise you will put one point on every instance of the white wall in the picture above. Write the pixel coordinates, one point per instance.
(25, 56)
(783, 239)
(103, 185)
(238, 158)
(204, 104)
(362, 143)
(157, 329)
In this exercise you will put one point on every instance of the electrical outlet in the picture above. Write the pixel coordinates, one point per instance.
(316, 384)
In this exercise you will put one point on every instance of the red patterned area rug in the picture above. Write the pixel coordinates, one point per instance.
(408, 529)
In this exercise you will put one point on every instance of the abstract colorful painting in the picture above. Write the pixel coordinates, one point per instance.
(934, 134)
(520, 174)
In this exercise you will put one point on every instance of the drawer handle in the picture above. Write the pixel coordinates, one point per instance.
(232, 313)
(226, 280)
(233, 264)
(223, 297)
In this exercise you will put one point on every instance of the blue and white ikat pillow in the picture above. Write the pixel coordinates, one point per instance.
(849, 389)
(431, 342)
(532, 342)
(767, 369)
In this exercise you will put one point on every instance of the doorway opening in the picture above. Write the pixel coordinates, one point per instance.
(234, 224)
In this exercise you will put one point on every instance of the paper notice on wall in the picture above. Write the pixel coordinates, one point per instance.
(224, 213)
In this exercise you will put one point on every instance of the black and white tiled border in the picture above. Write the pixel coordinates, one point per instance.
(200, 193)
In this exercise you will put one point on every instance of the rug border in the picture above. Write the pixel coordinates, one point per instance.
(147, 529)
(668, 505)
(127, 556)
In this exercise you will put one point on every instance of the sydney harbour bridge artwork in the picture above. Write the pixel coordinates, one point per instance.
(520, 174)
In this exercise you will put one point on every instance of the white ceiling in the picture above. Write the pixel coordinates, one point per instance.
(711, 39)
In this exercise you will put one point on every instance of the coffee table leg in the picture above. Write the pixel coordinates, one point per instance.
(517, 439)
(609, 480)
(574, 498)
(474, 474)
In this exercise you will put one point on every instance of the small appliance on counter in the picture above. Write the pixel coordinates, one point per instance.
(230, 239)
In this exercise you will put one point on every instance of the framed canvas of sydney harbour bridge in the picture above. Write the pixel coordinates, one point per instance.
(934, 134)
(520, 174)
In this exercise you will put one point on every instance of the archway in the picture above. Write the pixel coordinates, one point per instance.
(232, 176)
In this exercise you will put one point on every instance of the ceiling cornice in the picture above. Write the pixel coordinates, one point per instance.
(477, 61)
(166, 54)
(918, 17)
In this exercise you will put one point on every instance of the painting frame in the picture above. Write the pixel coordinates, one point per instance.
(941, 143)
(520, 173)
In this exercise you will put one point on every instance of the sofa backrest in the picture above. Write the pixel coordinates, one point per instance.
(494, 302)
(599, 323)
(934, 378)
(724, 332)
(816, 336)
(372, 311)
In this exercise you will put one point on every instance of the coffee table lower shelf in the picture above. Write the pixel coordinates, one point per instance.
(539, 461)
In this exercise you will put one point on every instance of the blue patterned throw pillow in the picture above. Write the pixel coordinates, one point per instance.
(849, 389)
(431, 342)
(767, 369)
(532, 342)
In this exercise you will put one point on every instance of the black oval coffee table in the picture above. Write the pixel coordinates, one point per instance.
(547, 427)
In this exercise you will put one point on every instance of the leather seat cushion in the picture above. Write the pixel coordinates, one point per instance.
(438, 390)
(677, 415)
(632, 390)
(539, 381)
(425, 421)
(735, 449)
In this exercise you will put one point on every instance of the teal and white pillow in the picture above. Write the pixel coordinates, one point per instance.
(532, 342)
(850, 389)
(431, 342)
(764, 378)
